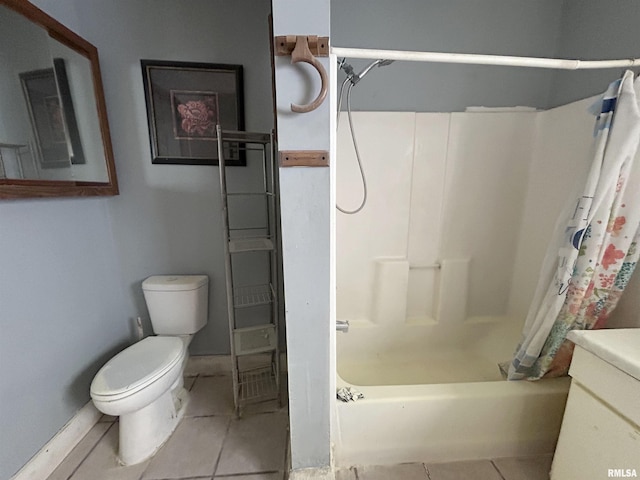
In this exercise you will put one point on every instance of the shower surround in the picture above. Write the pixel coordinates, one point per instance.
(436, 273)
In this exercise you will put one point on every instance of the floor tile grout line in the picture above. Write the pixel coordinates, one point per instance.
(497, 469)
(224, 441)
(195, 379)
(209, 416)
(144, 470)
(240, 475)
(88, 453)
(255, 414)
(426, 470)
(197, 477)
(285, 467)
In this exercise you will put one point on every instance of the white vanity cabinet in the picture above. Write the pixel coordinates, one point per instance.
(600, 434)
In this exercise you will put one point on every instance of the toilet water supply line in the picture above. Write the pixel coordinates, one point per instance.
(139, 328)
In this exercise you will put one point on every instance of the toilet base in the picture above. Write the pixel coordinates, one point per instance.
(144, 431)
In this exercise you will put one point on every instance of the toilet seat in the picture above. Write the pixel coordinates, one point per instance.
(136, 368)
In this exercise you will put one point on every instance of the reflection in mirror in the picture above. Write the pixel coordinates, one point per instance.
(54, 137)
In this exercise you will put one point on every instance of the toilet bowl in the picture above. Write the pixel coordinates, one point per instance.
(138, 375)
(143, 384)
(139, 385)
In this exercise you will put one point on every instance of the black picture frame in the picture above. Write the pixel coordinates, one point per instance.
(53, 119)
(185, 101)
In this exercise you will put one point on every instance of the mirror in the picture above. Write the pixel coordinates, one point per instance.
(54, 134)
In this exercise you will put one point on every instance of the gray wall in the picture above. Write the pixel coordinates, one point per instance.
(594, 30)
(587, 29)
(62, 314)
(72, 268)
(501, 27)
(167, 218)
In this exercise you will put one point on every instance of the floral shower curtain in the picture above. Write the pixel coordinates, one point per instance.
(589, 265)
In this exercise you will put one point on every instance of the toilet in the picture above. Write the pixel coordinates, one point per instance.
(143, 384)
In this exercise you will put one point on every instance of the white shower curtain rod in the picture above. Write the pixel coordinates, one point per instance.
(475, 59)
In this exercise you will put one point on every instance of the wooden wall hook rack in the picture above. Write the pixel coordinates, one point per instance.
(305, 48)
(304, 158)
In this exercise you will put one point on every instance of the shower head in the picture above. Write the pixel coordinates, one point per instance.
(376, 63)
(355, 78)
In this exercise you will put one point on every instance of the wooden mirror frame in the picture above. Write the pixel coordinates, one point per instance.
(26, 188)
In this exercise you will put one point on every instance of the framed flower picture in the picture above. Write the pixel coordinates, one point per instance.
(185, 102)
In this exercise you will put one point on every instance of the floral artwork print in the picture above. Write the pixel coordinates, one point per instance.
(196, 117)
(186, 102)
(195, 114)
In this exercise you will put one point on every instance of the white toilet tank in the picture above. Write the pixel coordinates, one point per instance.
(177, 303)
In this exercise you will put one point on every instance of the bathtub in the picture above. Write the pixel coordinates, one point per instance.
(435, 393)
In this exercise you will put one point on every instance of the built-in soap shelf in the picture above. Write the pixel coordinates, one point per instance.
(391, 286)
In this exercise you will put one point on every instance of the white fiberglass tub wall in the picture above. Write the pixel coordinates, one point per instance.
(435, 276)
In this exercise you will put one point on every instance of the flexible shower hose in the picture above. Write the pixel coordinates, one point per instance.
(355, 146)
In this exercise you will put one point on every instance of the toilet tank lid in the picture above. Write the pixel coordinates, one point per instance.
(173, 283)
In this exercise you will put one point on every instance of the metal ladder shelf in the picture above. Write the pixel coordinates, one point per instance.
(255, 347)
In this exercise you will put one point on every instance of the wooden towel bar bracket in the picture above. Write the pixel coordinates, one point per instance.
(304, 158)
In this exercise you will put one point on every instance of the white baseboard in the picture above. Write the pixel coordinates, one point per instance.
(208, 365)
(43, 463)
(317, 473)
(324, 473)
(218, 365)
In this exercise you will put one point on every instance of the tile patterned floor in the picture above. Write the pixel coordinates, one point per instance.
(210, 443)
(520, 468)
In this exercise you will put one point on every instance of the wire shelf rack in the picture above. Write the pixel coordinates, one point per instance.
(251, 296)
(257, 244)
(258, 384)
(244, 234)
